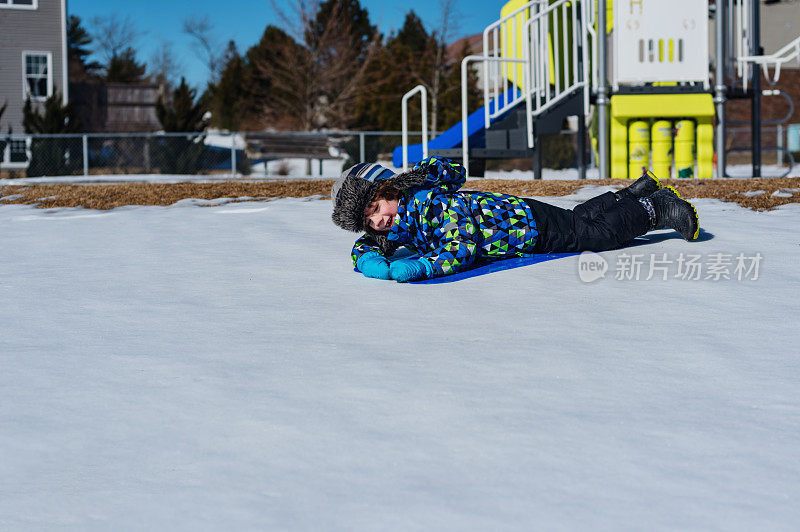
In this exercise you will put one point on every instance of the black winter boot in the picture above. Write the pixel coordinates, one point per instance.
(642, 187)
(671, 211)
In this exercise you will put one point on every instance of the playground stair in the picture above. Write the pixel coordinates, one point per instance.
(507, 137)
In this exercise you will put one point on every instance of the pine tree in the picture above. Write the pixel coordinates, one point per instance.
(263, 88)
(57, 117)
(412, 57)
(228, 98)
(124, 68)
(180, 113)
(361, 31)
(78, 46)
(450, 93)
(404, 62)
(52, 156)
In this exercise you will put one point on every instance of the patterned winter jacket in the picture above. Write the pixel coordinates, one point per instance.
(453, 229)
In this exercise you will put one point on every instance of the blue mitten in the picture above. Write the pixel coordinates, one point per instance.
(403, 270)
(373, 265)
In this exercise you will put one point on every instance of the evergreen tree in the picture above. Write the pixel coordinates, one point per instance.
(450, 93)
(361, 31)
(180, 113)
(78, 46)
(57, 118)
(413, 39)
(228, 98)
(124, 68)
(52, 156)
(263, 87)
(404, 62)
(412, 57)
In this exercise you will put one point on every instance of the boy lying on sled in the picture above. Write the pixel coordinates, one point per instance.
(424, 210)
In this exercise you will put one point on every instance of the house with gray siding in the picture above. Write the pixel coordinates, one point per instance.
(33, 57)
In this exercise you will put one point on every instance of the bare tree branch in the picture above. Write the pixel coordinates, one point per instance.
(206, 46)
(316, 79)
(447, 23)
(296, 23)
(164, 67)
(114, 34)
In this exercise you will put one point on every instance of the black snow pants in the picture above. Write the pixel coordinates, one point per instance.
(607, 221)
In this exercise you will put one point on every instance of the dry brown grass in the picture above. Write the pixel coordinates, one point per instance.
(108, 196)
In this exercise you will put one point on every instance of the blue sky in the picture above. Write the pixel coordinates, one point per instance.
(244, 21)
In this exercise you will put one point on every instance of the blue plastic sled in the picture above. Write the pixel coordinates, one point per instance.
(488, 267)
(496, 266)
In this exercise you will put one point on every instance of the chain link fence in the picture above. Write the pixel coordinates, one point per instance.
(207, 153)
(294, 154)
(778, 145)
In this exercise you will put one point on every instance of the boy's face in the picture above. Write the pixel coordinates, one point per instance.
(380, 214)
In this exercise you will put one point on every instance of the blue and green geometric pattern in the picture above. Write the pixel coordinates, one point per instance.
(453, 229)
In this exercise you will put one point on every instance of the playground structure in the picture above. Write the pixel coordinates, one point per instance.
(546, 60)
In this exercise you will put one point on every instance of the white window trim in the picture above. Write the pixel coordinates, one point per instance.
(5, 155)
(64, 54)
(49, 55)
(35, 5)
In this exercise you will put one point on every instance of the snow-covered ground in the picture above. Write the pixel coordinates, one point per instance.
(187, 368)
(331, 169)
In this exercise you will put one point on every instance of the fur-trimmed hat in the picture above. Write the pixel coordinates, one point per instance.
(353, 191)
(356, 188)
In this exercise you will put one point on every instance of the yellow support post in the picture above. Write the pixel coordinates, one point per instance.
(618, 145)
(684, 148)
(638, 148)
(662, 148)
(705, 147)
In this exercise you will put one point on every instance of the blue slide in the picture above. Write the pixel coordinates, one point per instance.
(452, 137)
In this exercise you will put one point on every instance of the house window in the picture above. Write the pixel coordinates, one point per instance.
(15, 152)
(18, 4)
(37, 67)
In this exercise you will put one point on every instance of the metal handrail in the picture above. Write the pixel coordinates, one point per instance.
(742, 16)
(589, 17)
(424, 94)
(539, 83)
(784, 55)
(494, 29)
(464, 103)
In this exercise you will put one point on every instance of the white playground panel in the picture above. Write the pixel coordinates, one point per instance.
(660, 41)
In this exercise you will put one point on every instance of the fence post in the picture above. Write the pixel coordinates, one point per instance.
(361, 150)
(85, 155)
(779, 129)
(233, 154)
(148, 165)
